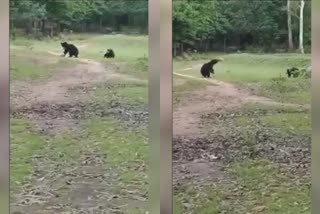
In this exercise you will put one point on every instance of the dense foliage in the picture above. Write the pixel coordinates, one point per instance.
(55, 16)
(239, 25)
(226, 25)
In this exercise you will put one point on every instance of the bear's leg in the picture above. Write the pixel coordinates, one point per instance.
(64, 53)
(288, 73)
(71, 54)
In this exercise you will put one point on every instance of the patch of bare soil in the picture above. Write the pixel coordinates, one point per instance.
(87, 185)
(58, 117)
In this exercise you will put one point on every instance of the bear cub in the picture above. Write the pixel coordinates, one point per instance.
(109, 54)
(293, 72)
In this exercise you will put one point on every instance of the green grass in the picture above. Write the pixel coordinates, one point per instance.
(268, 107)
(259, 72)
(126, 47)
(30, 58)
(281, 117)
(289, 121)
(246, 67)
(190, 85)
(187, 86)
(134, 94)
(126, 151)
(243, 121)
(30, 65)
(287, 90)
(260, 188)
(177, 207)
(123, 147)
(137, 68)
(197, 201)
(23, 145)
(135, 211)
(267, 187)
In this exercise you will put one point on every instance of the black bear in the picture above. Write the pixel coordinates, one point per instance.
(109, 54)
(70, 48)
(294, 72)
(207, 68)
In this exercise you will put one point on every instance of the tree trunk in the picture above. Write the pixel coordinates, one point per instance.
(224, 43)
(301, 27)
(43, 27)
(100, 24)
(174, 49)
(28, 27)
(206, 46)
(290, 42)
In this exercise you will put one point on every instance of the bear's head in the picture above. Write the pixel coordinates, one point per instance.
(64, 44)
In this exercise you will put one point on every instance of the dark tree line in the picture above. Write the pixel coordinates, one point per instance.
(51, 17)
(219, 25)
(232, 25)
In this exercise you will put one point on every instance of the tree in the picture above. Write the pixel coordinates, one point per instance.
(79, 15)
(27, 11)
(290, 42)
(301, 27)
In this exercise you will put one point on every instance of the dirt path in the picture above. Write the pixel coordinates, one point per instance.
(217, 97)
(84, 185)
(56, 89)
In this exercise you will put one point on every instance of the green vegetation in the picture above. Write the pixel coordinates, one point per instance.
(23, 145)
(257, 26)
(264, 74)
(31, 65)
(92, 47)
(289, 121)
(124, 148)
(35, 59)
(38, 18)
(262, 187)
(272, 191)
(246, 68)
(284, 90)
(134, 94)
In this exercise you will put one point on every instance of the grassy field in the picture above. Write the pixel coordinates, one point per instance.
(246, 67)
(112, 138)
(91, 45)
(260, 73)
(261, 184)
